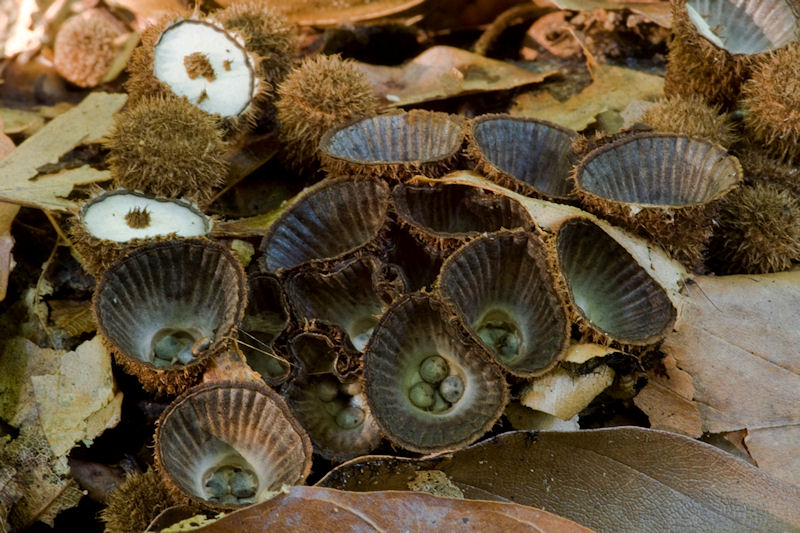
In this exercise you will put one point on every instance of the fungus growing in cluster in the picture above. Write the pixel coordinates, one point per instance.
(166, 309)
(396, 146)
(85, 47)
(771, 99)
(691, 115)
(168, 147)
(223, 445)
(716, 44)
(323, 92)
(113, 223)
(758, 231)
(197, 58)
(666, 187)
(527, 155)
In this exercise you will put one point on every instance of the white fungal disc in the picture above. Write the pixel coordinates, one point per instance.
(207, 65)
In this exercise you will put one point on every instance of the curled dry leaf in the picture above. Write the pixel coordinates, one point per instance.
(620, 479)
(321, 509)
(444, 72)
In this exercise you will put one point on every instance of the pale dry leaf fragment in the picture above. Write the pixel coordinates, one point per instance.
(612, 89)
(20, 121)
(564, 394)
(444, 72)
(80, 400)
(667, 401)
(738, 339)
(525, 418)
(88, 122)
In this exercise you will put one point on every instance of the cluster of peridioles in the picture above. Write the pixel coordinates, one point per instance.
(387, 302)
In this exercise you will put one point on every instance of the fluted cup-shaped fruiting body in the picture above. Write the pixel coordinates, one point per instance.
(445, 216)
(326, 221)
(430, 386)
(613, 298)
(335, 414)
(229, 444)
(501, 286)
(113, 223)
(396, 146)
(343, 294)
(166, 308)
(533, 157)
(664, 187)
(717, 42)
(265, 318)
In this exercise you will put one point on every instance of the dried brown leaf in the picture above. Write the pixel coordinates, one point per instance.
(658, 11)
(444, 72)
(321, 509)
(737, 338)
(336, 12)
(620, 479)
(46, 489)
(667, 401)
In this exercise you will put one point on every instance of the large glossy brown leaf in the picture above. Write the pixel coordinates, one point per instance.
(620, 479)
(320, 509)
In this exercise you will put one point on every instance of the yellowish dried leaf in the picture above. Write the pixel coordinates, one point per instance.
(7, 214)
(20, 121)
(612, 90)
(20, 360)
(85, 123)
(444, 72)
